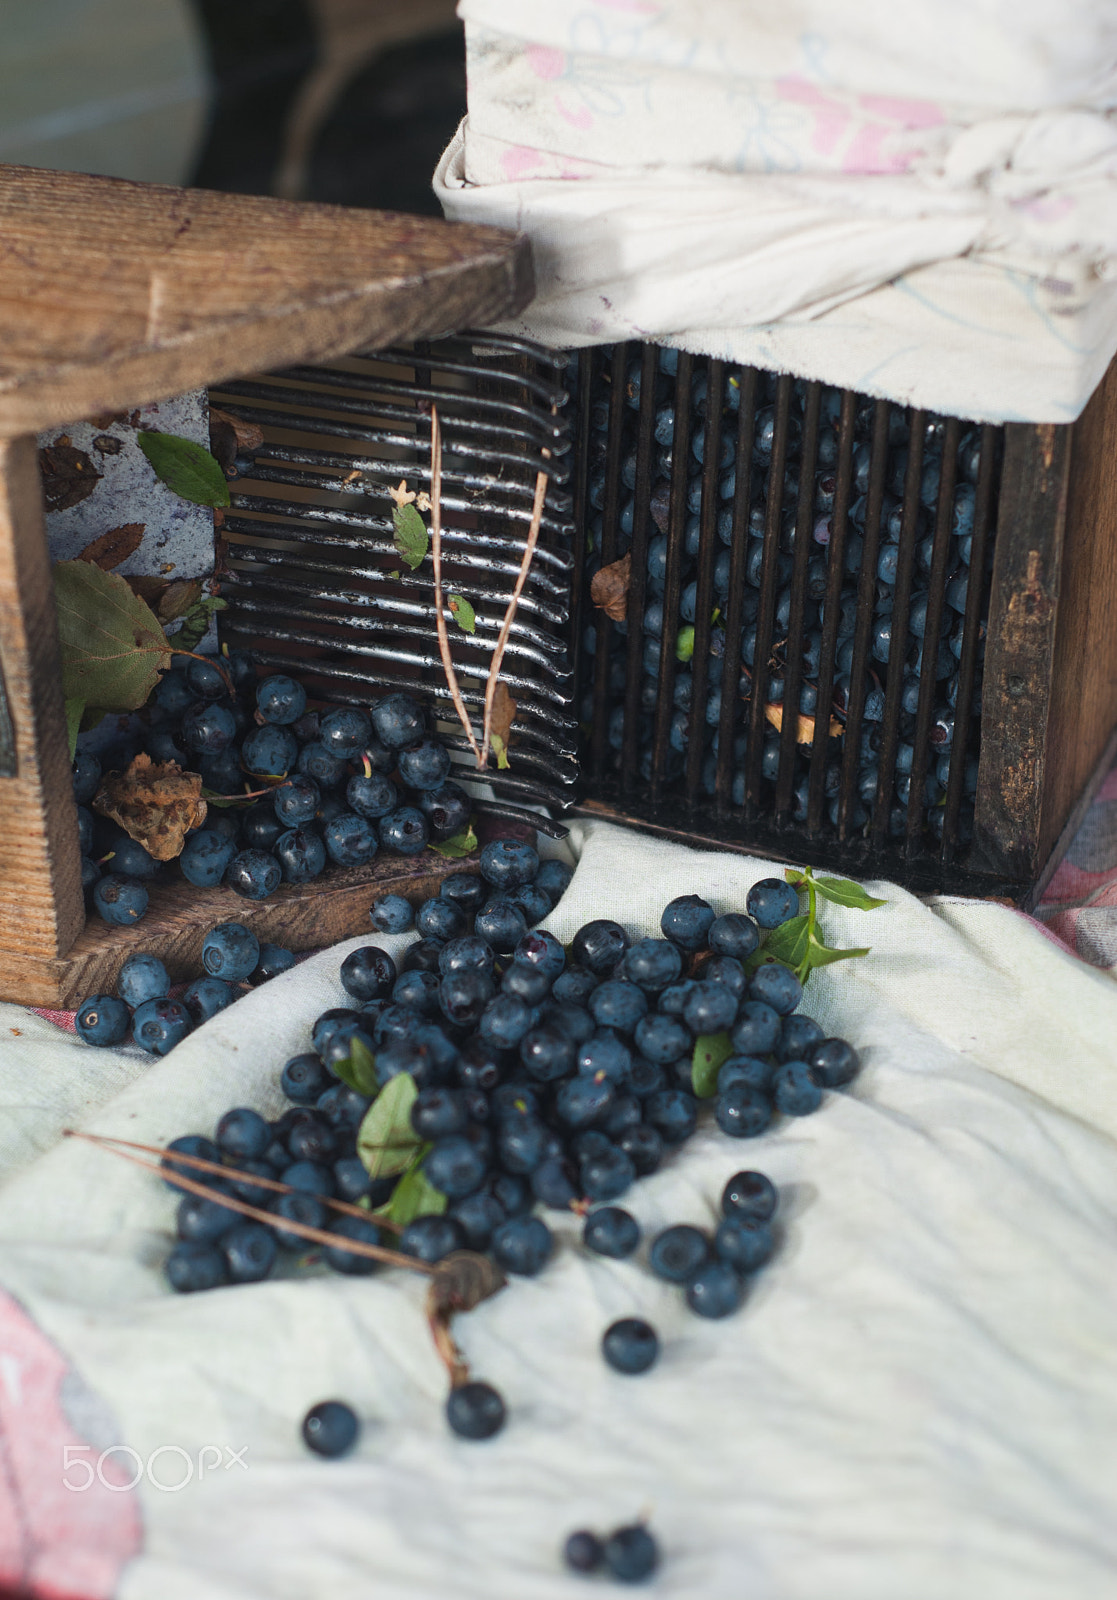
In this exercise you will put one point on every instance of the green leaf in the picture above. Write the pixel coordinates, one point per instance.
(74, 712)
(820, 955)
(684, 643)
(844, 892)
(111, 644)
(195, 624)
(458, 845)
(386, 1141)
(500, 750)
(186, 468)
(463, 613)
(711, 1051)
(358, 1068)
(413, 1197)
(787, 944)
(411, 536)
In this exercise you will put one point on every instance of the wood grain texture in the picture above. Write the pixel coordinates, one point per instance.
(115, 293)
(40, 866)
(1016, 697)
(297, 916)
(1084, 676)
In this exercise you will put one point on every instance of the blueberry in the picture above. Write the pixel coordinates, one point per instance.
(678, 1252)
(299, 1207)
(241, 1178)
(753, 1071)
(87, 776)
(368, 973)
(418, 991)
(280, 699)
(463, 996)
(776, 986)
(254, 875)
(552, 1185)
(686, 921)
(192, 1266)
(757, 1029)
(607, 1176)
(173, 694)
(574, 985)
(630, 1345)
(431, 1238)
(329, 1023)
(391, 913)
(465, 889)
(345, 731)
(274, 959)
(260, 827)
(728, 973)
(673, 1113)
(715, 1290)
(644, 1148)
(547, 1055)
(269, 752)
(509, 863)
(398, 721)
(102, 1020)
(733, 935)
(521, 1144)
(630, 1554)
(250, 1251)
(504, 1021)
(230, 951)
(440, 919)
(447, 809)
(749, 1194)
(522, 1245)
(330, 1428)
(652, 964)
(554, 878)
(502, 925)
(583, 1551)
(534, 904)
(573, 1022)
(350, 840)
(131, 860)
(470, 953)
(353, 1229)
(404, 831)
(607, 1054)
(340, 1046)
(158, 1025)
(645, 1078)
(204, 858)
(527, 984)
(425, 764)
(794, 1090)
(662, 1039)
(120, 901)
(371, 797)
(540, 951)
(315, 761)
(833, 1063)
(745, 1242)
(296, 801)
(772, 902)
(90, 873)
(205, 997)
(205, 678)
(312, 1139)
(475, 1411)
(600, 945)
(142, 977)
(584, 1099)
(342, 1106)
(201, 1219)
(611, 1231)
(208, 730)
(352, 1182)
(190, 1144)
(673, 999)
(798, 1035)
(617, 1004)
(742, 1112)
(711, 1008)
(301, 854)
(242, 1132)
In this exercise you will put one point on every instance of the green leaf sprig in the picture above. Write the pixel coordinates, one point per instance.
(458, 845)
(387, 1143)
(411, 538)
(463, 613)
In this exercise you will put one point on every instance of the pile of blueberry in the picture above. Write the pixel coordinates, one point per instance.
(142, 1005)
(888, 656)
(343, 784)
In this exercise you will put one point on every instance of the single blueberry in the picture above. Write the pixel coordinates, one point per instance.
(672, 1001)
(554, 878)
(119, 900)
(301, 854)
(296, 801)
(617, 1004)
(398, 721)
(583, 1551)
(504, 1021)
(652, 964)
(798, 1036)
(742, 1112)
(254, 875)
(352, 1182)
(540, 951)
(158, 1025)
(192, 1266)
(342, 1106)
(522, 1245)
(373, 796)
(509, 863)
(447, 809)
(757, 1029)
(243, 1133)
(662, 1039)
(303, 1208)
(776, 986)
(502, 925)
(368, 973)
(573, 1022)
(438, 1113)
(733, 934)
(644, 1148)
(87, 775)
(772, 902)
(359, 1230)
(794, 1090)
(678, 1252)
(280, 699)
(418, 990)
(607, 1054)
(833, 1063)
(205, 857)
(330, 1428)
(552, 1185)
(312, 1138)
(710, 1008)
(728, 973)
(630, 1345)
(190, 1144)
(600, 945)
(686, 921)
(715, 1290)
(749, 1194)
(326, 1025)
(475, 1411)
(534, 904)
(250, 1251)
(404, 831)
(631, 1555)
(547, 1055)
(205, 997)
(274, 959)
(575, 985)
(208, 729)
(269, 752)
(345, 731)
(202, 1219)
(260, 827)
(607, 1176)
(745, 1242)
(102, 1020)
(463, 996)
(391, 913)
(230, 951)
(315, 761)
(611, 1231)
(440, 919)
(142, 977)
(469, 953)
(242, 1179)
(521, 1144)
(753, 1071)
(430, 1238)
(584, 1099)
(466, 889)
(527, 984)
(425, 764)
(350, 840)
(673, 1113)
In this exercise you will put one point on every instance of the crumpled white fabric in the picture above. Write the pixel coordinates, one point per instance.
(918, 1399)
(703, 174)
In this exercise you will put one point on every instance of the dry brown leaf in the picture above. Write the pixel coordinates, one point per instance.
(155, 804)
(805, 733)
(248, 435)
(504, 711)
(69, 476)
(115, 546)
(178, 598)
(609, 588)
(106, 445)
(148, 588)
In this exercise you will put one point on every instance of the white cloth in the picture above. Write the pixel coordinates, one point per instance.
(696, 174)
(919, 1397)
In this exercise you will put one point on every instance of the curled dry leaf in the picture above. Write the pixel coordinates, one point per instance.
(247, 434)
(609, 588)
(178, 598)
(805, 732)
(69, 476)
(115, 546)
(155, 804)
(504, 714)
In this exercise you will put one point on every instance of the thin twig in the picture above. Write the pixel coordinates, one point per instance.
(510, 615)
(436, 559)
(356, 1247)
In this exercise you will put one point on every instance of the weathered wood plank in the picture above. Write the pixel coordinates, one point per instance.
(40, 866)
(298, 916)
(115, 293)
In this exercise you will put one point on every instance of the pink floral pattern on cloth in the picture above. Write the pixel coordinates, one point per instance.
(69, 1520)
(1080, 905)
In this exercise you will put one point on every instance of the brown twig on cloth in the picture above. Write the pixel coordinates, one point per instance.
(460, 1281)
(510, 614)
(436, 560)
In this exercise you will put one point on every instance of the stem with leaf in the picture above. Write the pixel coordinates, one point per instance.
(510, 614)
(436, 560)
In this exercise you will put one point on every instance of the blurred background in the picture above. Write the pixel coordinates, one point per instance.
(346, 101)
